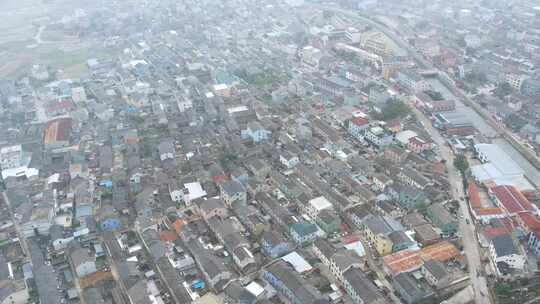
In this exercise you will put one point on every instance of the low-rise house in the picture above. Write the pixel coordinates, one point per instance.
(533, 242)
(240, 175)
(409, 289)
(426, 235)
(337, 260)
(511, 200)
(236, 294)
(329, 221)
(379, 136)
(271, 206)
(435, 274)
(504, 255)
(442, 218)
(109, 219)
(83, 263)
(411, 198)
(166, 149)
(252, 219)
(151, 240)
(360, 165)
(323, 250)
(217, 173)
(379, 95)
(413, 178)
(233, 193)
(357, 127)
(528, 221)
(260, 168)
(58, 133)
(412, 81)
(40, 221)
(244, 259)
(358, 214)
(288, 159)
(228, 233)
(256, 132)
(212, 207)
(180, 260)
(214, 271)
(360, 288)
(317, 205)
(400, 241)
(291, 285)
(412, 220)
(193, 191)
(380, 181)
(395, 154)
(304, 233)
(343, 260)
(274, 245)
(175, 191)
(419, 144)
(376, 230)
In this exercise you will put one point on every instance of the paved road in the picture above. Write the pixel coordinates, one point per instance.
(401, 43)
(470, 244)
(18, 229)
(468, 233)
(378, 270)
(44, 276)
(115, 255)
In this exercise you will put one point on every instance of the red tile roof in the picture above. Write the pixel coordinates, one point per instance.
(439, 168)
(488, 211)
(529, 221)
(359, 121)
(419, 141)
(442, 252)
(403, 261)
(351, 239)
(491, 232)
(508, 223)
(167, 236)
(411, 260)
(177, 226)
(512, 199)
(61, 105)
(474, 195)
(58, 130)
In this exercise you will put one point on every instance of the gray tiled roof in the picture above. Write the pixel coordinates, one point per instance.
(503, 245)
(362, 286)
(436, 268)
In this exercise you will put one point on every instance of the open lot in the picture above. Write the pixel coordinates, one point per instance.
(25, 39)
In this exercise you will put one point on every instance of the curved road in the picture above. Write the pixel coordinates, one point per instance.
(391, 34)
(470, 243)
(468, 232)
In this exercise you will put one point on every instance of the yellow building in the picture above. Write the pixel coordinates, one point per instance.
(383, 245)
(376, 230)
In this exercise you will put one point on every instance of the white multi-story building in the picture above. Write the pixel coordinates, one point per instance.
(503, 253)
(11, 157)
(353, 35)
(379, 136)
(316, 205)
(515, 80)
(310, 56)
(78, 95)
(184, 104)
(412, 81)
(288, 159)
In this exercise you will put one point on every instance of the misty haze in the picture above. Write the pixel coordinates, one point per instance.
(270, 151)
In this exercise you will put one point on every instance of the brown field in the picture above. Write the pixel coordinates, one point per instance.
(20, 49)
